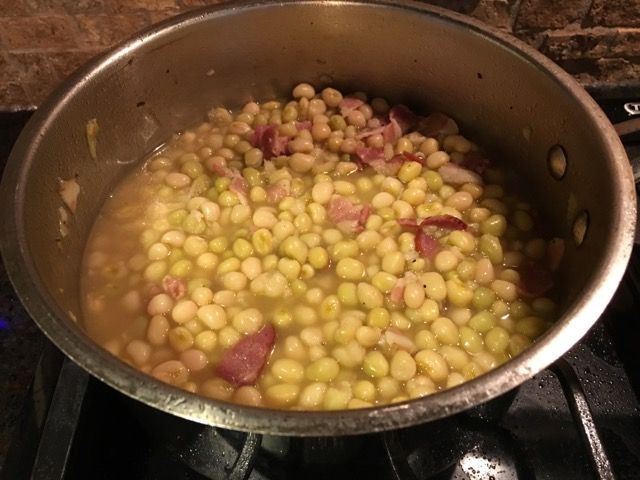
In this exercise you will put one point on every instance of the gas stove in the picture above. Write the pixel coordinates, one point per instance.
(579, 419)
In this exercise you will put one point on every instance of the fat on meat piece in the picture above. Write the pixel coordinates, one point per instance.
(174, 287)
(242, 363)
(448, 222)
(349, 104)
(457, 175)
(392, 131)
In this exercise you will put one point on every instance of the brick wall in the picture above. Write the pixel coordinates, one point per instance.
(43, 41)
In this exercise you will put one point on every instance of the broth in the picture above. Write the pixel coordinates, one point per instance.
(317, 253)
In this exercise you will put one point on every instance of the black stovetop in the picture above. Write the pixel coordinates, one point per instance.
(578, 420)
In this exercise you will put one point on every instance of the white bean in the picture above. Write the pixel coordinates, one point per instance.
(160, 304)
(194, 360)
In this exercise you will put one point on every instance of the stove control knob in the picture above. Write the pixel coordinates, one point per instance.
(632, 108)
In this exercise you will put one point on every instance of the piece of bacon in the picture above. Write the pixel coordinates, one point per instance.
(456, 175)
(239, 185)
(277, 192)
(304, 125)
(426, 245)
(349, 104)
(365, 211)
(444, 221)
(535, 279)
(391, 131)
(174, 287)
(412, 157)
(268, 139)
(340, 209)
(475, 161)
(220, 170)
(388, 168)
(242, 363)
(437, 124)
(396, 295)
(405, 118)
(368, 154)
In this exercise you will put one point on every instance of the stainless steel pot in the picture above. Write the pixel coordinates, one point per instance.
(502, 92)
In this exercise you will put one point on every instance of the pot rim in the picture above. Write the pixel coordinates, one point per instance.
(568, 330)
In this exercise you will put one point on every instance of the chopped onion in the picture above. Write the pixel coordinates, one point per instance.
(69, 191)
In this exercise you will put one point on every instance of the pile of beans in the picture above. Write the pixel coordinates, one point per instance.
(325, 252)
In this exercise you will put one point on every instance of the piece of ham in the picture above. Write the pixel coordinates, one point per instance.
(437, 125)
(374, 157)
(277, 191)
(341, 209)
(396, 295)
(349, 104)
(347, 216)
(242, 363)
(456, 175)
(404, 117)
(426, 245)
(220, 170)
(388, 168)
(448, 222)
(240, 187)
(475, 161)
(365, 211)
(535, 279)
(269, 141)
(174, 287)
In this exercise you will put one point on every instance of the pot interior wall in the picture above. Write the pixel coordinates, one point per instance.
(166, 80)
